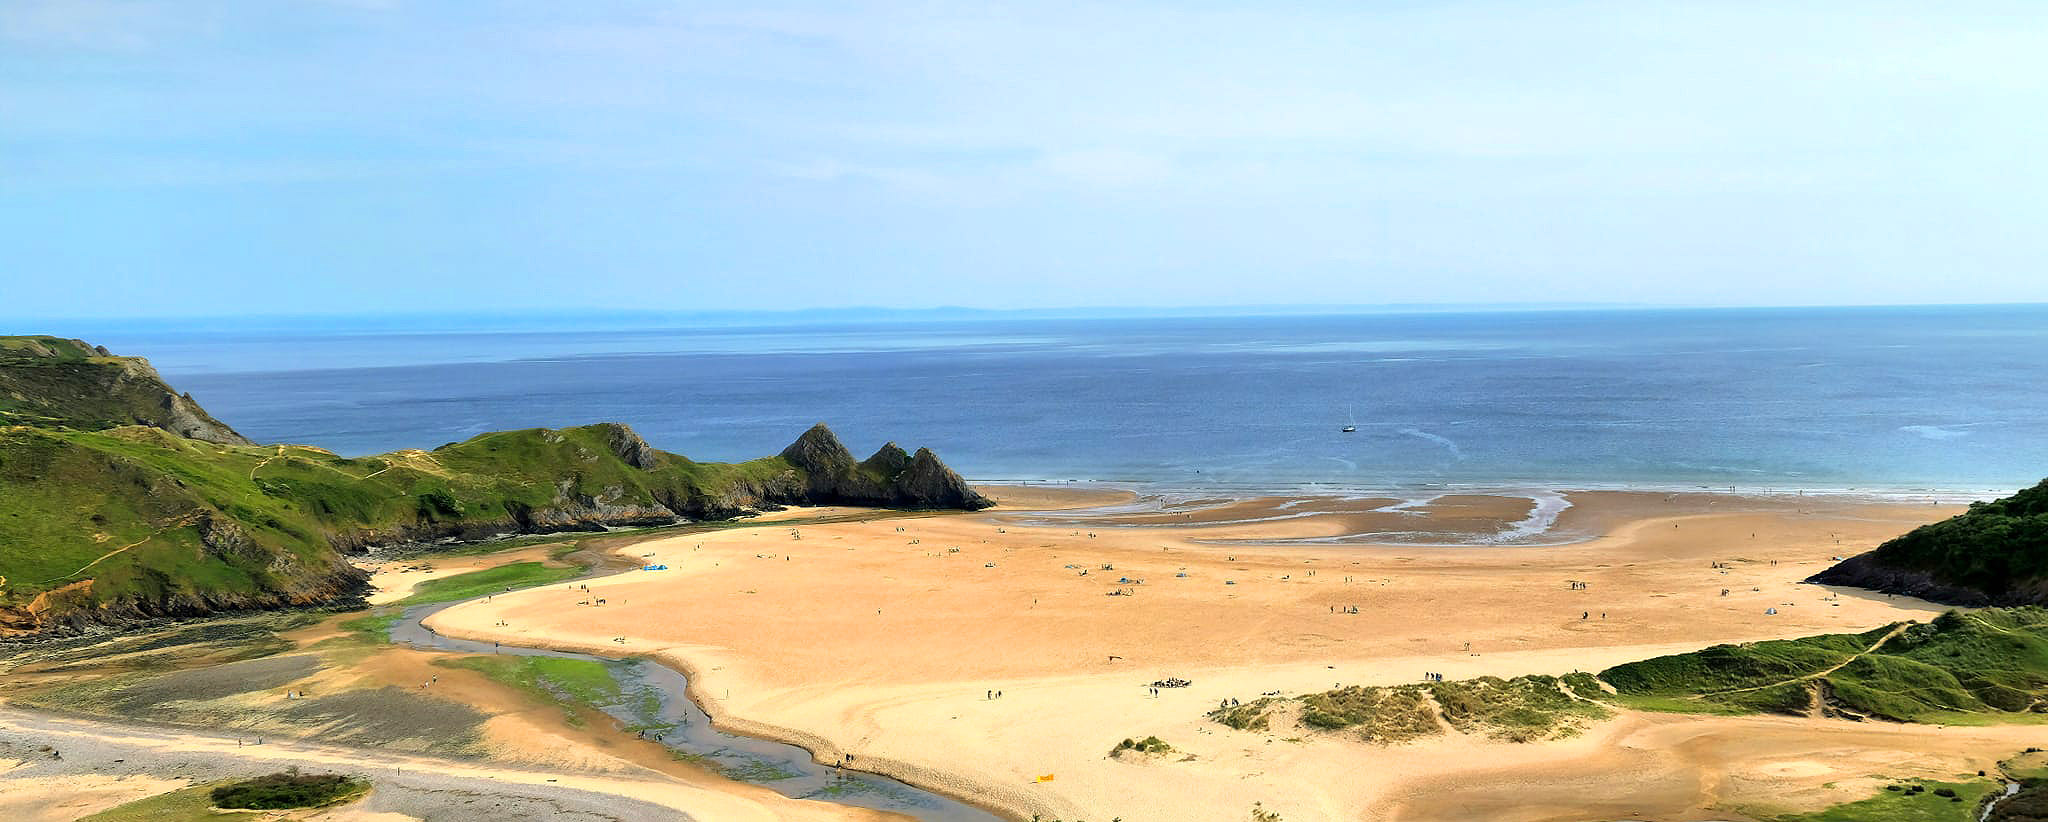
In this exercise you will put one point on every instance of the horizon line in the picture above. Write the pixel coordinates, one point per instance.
(944, 312)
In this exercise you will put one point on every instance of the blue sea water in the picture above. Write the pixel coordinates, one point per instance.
(1920, 398)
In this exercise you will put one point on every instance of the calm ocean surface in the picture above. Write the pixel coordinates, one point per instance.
(1952, 399)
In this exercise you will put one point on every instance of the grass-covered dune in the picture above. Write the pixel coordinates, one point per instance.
(1524, 709)
(1988, 665)
(1996, 553)
(1962, 668)
(103, 524)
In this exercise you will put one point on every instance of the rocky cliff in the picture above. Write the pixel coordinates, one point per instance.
(58, 382)
(890, 478)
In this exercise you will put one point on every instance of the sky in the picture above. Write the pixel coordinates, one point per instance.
(220, 157)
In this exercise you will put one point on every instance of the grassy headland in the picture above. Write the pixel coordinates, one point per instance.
(1996, 553)
(109, 514)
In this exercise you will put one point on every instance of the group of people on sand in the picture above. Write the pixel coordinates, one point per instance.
(993, 695)
(1430, 677)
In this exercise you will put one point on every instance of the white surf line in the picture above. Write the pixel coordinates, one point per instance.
(1438, 439)
(1409, 505)
(1541, 518)
(1153, 502)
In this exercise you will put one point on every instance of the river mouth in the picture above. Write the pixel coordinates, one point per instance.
(659, 706)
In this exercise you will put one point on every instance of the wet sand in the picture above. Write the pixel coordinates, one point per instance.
(104, 764)
(884, 639)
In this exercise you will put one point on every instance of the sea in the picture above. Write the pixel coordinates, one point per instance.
(1941, 399)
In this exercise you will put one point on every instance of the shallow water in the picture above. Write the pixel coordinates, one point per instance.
(2011, 789)
(786, 769)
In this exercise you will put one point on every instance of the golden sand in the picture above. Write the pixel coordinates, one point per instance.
(885, 639)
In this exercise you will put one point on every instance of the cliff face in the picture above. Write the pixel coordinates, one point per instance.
(102, 522)
(59, 382)
(1868, 570)
(1994, 554)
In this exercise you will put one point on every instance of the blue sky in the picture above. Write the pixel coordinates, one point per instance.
(224, 157)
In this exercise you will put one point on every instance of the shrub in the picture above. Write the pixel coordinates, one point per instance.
(1149, 745)
(290, 789)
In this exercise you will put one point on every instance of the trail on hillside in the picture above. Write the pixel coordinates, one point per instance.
(181, 522)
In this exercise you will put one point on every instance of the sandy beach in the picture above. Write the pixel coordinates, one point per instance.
(888, 640)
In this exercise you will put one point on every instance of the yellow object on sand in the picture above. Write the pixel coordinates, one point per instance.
(1045, 778)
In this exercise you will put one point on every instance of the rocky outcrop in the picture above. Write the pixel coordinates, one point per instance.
(888, 461)
(1868, 571)
(928, 483)
(826, 463)
(627, 445)
(890, 478)
(184, 417)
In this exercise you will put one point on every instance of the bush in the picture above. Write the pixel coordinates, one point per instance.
(1150, 745)
(1250, 716)
(290, 789)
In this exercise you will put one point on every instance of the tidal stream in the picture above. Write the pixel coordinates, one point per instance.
(656, 701)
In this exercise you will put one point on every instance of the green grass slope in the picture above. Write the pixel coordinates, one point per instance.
(1991, 665)
(1996, 553)
(134, 521)
(131, 522)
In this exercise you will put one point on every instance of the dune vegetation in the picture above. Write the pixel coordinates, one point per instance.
(1522, 709)
(1962, 668)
